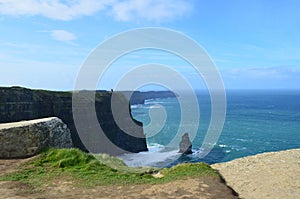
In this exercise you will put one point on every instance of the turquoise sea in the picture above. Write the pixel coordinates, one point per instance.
(256, 121)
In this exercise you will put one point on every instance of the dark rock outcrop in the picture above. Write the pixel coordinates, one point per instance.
(28, 138)
(185, 145)
(18, 104)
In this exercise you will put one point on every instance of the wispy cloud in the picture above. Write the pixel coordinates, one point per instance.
(150, 10)
(63, 35)
(128, 10)
(53, 9)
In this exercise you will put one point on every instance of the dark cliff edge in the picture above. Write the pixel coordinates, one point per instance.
(17, 104)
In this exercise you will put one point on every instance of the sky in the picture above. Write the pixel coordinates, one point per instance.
(254, 44)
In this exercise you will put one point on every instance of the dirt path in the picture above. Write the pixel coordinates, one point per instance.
(190, 188)
(205, 187)
(267, 175)
(12, 164)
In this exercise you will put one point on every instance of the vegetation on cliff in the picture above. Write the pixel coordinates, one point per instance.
(86, 170)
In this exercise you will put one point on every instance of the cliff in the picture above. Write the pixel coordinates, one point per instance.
(28, 138)
(18, 104)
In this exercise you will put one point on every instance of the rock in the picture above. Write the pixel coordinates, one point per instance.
(28, 138)
(185, 145)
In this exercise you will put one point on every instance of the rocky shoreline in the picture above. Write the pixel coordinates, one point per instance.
(266, 175)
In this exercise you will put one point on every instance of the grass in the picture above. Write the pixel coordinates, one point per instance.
(86, 170)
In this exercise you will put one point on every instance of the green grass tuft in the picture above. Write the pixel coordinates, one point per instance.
(88, 170)
(66, 159)
(188, 170)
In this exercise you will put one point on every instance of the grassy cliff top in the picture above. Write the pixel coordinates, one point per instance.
(86, 170)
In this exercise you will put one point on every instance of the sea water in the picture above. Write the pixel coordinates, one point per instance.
(256, 121)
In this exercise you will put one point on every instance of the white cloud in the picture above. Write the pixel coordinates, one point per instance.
(150, 10)
(54, 9)
(128, 10)
(63, 35)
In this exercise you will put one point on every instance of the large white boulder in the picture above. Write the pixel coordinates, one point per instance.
(28, 138)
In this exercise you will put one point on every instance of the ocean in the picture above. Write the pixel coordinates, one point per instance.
(256, 121)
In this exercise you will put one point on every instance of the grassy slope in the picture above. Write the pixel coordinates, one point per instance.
(86, 170)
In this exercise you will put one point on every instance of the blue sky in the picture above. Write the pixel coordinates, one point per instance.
(254, 44)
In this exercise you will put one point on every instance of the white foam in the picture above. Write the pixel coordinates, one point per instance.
(154, 147)
(154, 158)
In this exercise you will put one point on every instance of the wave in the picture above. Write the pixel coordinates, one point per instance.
(157, 156)
(154, 147)
(150, 101)
(160, 101)
(137, 106)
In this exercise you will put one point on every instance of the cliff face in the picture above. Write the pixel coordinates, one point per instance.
(18, 104)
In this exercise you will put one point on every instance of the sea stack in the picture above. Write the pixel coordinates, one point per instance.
(185, 145)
